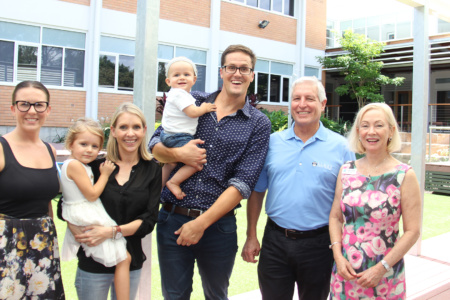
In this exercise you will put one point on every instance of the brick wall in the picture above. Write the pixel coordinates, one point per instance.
(316, 24)
(66, 107)
(6, 117)
(244, 20)
(82, 2)
(107, 104)
(128, 6)
(191, 12)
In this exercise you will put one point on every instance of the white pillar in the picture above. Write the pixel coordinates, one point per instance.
(299, 67)
(214, 43)
(144, 96)
(92, 59)
(421, 88)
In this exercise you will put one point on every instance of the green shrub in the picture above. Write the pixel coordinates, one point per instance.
(341, 127)
(278, 118)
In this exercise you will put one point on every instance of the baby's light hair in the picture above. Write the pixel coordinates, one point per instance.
(81, 125)
(178, 59)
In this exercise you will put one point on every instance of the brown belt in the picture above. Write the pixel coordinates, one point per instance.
(190, 212)
(297, 234)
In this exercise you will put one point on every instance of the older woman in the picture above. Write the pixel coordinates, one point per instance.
(371, 195)
(131, 198)
(29, 259)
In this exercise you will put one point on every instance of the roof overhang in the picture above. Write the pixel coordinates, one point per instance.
(440, 8)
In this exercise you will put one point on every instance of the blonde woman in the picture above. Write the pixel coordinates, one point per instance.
(131, 199)
(371, 195)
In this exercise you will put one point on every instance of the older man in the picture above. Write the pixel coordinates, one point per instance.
(300, 174)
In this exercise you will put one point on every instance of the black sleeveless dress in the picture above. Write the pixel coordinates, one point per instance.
(29, 255)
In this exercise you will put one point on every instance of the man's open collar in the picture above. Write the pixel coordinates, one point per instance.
(211, 98)
(321, 133)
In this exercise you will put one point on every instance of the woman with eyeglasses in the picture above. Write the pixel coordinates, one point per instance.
(29, 258)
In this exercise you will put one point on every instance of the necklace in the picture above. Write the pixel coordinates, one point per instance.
(375, 169)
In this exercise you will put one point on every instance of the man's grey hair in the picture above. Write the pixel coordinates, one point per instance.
(313, 79)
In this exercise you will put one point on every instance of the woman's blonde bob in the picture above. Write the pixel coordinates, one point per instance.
(112, 149)
(353, 138)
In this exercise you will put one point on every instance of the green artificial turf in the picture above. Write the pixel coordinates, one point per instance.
(436, 221)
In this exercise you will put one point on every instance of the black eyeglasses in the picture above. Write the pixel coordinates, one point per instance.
(25, 106)
(242, 70)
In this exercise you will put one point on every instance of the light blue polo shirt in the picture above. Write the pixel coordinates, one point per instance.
(301, 177)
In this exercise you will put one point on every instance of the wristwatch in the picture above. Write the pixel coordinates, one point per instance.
(118, 232)
(386, 265)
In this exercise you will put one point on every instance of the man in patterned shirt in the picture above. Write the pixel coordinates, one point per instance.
(202, 226)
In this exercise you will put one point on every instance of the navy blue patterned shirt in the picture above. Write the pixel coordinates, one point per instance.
(236, 148)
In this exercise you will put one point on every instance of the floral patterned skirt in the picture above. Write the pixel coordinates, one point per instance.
(29, 259)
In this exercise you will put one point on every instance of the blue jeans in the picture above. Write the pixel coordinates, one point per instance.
(95, 286)
(175, 140)
(215, 254)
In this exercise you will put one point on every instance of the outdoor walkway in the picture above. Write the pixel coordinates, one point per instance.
(427, 276)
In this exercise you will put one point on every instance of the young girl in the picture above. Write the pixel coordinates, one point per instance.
(82, 207)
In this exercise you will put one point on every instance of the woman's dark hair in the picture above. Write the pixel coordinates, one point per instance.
(28, 84)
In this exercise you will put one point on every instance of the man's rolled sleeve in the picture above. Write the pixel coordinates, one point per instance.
(248, 168)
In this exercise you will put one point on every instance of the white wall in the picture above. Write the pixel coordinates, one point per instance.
(50, 13)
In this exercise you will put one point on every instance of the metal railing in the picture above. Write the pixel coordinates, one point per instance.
(441, 129)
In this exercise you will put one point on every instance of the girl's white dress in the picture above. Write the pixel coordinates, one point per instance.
(77, 210)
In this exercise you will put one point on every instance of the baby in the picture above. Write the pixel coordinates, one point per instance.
(180, 117)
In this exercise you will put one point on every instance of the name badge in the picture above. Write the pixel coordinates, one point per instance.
(349, 171)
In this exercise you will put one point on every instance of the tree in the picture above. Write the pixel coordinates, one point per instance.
(362, 74)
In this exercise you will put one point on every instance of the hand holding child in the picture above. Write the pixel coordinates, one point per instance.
(107, 167)
(208, 107)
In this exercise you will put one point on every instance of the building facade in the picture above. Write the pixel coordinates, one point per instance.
(63, 43)
(392, 22)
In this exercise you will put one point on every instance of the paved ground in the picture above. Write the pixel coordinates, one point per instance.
(427, 275)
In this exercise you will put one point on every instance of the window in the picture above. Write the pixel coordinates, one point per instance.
(27, 63)
(311, 71)
(330, 34)
(116, 64)
(443, 26)
(388, 28)
(281, 6)
(272, 81)
(380, 28)
(166, 53)
(54, 57)
(404, 27)
(6, 61)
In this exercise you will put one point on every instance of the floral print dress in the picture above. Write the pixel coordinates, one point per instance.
(371, 210)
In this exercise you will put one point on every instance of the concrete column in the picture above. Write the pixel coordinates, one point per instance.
(146, 59)
(92, 59)
(421, 90)
(144, 96)
(214, 47)
(299, 67)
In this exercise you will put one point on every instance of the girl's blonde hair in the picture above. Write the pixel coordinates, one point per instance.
(81, 125)
(112, 149)
(393, 145)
